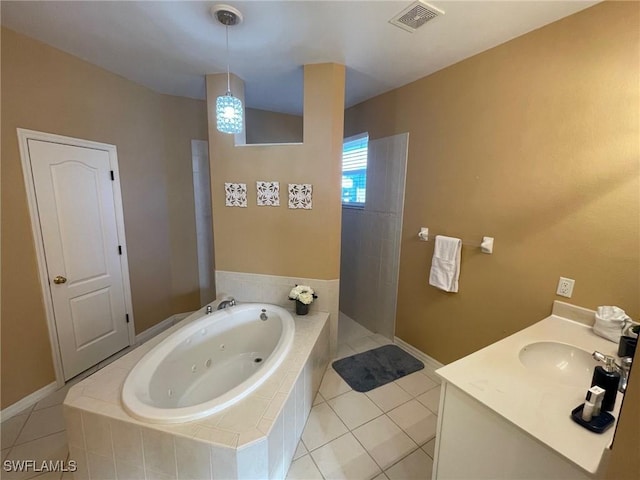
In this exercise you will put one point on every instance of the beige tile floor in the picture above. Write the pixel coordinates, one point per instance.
(38, 432)
(387, 433)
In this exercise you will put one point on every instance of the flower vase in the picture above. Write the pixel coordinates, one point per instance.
(301, 308)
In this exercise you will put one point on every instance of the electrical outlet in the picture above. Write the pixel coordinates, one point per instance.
(565, 287)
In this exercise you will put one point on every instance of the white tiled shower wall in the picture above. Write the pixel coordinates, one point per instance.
(204, 221)
(371, 235)
(274, 289)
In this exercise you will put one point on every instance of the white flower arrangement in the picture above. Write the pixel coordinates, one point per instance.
(302, 293)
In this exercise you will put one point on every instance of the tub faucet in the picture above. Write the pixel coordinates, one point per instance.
(227, 303)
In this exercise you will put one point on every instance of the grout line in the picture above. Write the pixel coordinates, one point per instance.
(398, 406)
(316, 465)
(39, 438)
(326, 443)
(422, 448)
(356, 439)
(402, 458)
(15, 441)
(144, 456)
(405, 432)
(418, 447)
(33, 405)
(411, 397)
(401, 429)
(113, 447)
(33, 477)
(175, 455)
(365, 448)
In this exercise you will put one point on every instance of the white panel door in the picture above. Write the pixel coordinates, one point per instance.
(77, 213)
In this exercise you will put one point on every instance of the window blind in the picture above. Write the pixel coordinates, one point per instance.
(354, 169)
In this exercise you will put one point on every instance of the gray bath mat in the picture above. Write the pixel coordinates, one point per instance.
(374, 368)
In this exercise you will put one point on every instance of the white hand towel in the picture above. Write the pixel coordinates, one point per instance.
(445, 266)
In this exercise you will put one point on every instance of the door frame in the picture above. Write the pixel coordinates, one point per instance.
(24, 136)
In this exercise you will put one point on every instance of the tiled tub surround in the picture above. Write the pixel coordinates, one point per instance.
(254, 287)
(255, 438)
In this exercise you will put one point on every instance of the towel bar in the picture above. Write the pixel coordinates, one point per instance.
(486, 245)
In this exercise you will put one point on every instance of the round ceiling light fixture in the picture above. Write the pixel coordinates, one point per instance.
(226, 15)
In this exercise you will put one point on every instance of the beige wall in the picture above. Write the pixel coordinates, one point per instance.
(263, 126)
(278, 240)
(48, 90)
(185, 119)
(536, 143)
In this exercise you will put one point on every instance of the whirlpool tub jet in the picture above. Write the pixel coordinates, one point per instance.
(209, 364)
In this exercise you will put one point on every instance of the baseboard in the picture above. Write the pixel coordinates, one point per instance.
(158, 328)
(429, 362)
(27, 401)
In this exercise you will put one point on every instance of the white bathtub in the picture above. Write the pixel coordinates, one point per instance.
(207, 365)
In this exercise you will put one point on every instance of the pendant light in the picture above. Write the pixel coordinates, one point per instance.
(229, 111)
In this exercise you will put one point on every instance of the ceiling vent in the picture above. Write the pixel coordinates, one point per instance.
(415, 16)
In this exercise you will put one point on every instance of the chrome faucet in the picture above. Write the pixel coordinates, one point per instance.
(209, 309)
(624, 368)
(227, 303)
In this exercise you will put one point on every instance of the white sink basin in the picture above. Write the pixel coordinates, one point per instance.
(559, 362)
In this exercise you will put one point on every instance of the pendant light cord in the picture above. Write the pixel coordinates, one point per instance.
(226, 29)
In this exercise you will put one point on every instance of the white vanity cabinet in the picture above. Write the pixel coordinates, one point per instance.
(474, 442)
(505, 414)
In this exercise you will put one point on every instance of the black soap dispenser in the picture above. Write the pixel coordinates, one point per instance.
(606, 376)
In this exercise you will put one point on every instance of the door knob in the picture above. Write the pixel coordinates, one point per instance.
(59, 279)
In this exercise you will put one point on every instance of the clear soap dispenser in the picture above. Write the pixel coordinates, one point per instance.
(607, 377)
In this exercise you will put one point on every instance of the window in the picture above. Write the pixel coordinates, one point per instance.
(354, 170)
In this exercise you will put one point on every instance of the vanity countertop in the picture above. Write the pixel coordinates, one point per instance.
(540, 406)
